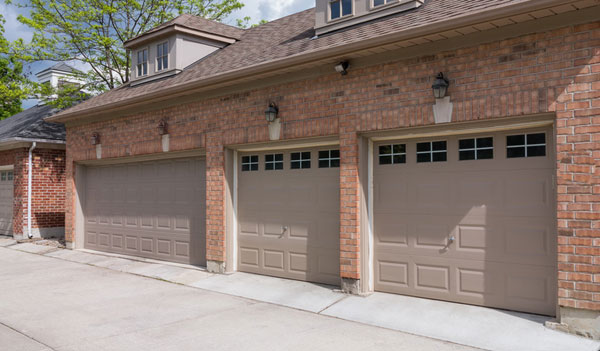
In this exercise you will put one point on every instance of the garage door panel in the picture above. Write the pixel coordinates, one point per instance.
(138, 210)
(499, 213)
(289, 221)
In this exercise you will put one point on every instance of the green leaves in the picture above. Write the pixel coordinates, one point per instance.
(14, 86)
(93, 31)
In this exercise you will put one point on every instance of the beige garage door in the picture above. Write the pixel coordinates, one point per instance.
(6, 202)
(468, 219)
(150, 209)
(288, 213)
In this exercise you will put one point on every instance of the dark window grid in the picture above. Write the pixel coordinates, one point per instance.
(300, 160)
(432, 153)
(329, 158)
(525, 145)
(273, 162)
(249, 163)
(476, 149)
(394, 157)
(9, 175)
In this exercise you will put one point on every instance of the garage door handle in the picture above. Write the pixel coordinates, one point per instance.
(283, 230)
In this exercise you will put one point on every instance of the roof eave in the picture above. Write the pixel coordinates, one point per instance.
(274, 65)
(172, 29)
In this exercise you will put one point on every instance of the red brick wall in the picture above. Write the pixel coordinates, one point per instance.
(555, 71)
(48, 190)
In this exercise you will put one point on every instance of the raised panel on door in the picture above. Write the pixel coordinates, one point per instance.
(478, 231)
(288, 219)
(151, 209)
(6, 203)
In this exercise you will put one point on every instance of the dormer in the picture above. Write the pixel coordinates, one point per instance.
(337, 14)
(169, 48)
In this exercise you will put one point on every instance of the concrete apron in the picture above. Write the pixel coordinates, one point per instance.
(474, 326)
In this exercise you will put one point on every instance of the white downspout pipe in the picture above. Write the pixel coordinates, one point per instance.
(29, 184)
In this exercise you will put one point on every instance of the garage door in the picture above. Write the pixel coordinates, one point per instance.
(6, 202)
(150, 209)
(468, 219)
(288, 213)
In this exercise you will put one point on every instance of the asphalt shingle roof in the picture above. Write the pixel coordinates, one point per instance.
(198, 23)
(30, 124)
(294, 35)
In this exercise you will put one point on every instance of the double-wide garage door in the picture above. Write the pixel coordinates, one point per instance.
(468, 219)
(150, 209)
(6, 202)
(288, 213)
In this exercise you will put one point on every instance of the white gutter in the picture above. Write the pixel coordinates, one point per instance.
(29, 184)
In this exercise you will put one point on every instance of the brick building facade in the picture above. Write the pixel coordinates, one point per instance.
(48, 190)
(548, 72)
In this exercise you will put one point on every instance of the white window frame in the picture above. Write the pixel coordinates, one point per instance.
(342, 16)
(138, 63)
(476, 149)
(250, 163)
(160, 58)
(301, 160)
(385, 3)
(527, 146)
(391, 154)
(329, 158)
(431, 151)
(274, 162)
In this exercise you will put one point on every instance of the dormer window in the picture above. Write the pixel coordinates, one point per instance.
(162, 56)
(382, 2)
(340, 8)
(142, 62)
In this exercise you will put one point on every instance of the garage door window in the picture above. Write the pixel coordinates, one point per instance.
(249, 163)
(476, 149)
(6, 176)
(273, 162)
(526, 145)
(432, 151)
(392, 154)
(300, 160)
(329, 158)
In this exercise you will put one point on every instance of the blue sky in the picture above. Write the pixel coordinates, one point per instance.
(256, 9)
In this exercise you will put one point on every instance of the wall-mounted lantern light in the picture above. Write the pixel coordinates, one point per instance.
(440, 86)
(272, 117)
(163, 127)
(342, 68)
(442, 110)
(95, 138)
(271, 112)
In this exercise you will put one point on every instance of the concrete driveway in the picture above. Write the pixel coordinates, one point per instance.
(53, 304)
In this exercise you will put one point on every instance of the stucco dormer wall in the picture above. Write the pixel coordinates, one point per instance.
(191, 49)
(362, 11)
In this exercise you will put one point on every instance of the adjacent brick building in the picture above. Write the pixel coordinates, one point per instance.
(487, 196)
(18, 135)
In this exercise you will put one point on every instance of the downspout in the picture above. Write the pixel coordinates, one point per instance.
(29, 184)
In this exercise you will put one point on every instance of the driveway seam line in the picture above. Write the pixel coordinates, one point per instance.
(333, 303)
(27, 336)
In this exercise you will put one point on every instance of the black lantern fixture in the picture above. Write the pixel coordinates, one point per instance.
(271, 112)
(440, 86)
(95, 138)
(342, 68)
(162, 127)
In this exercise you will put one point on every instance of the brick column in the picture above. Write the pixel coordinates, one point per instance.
(578, 180)
(215, 203)
(349, 207)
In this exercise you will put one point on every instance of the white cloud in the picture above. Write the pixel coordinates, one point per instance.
(269, 10)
